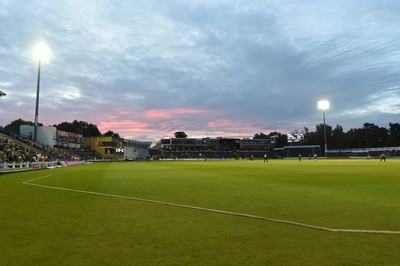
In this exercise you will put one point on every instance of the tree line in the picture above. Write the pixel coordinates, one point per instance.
(81, 127)
(369, 136)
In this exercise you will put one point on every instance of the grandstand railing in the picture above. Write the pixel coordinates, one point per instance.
(24, 166)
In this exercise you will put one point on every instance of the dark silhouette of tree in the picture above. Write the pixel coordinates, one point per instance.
(91, 131)
(374, 136)
(111, 134)
(369, 136)
(317, 137)
(180, 135)
(279, 138)
(67, 127)
(83, 128)
(355, 138)
(14, 126)
(393, 138)
(260, 136)
(338, 138)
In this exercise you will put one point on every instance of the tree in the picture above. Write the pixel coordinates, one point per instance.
(369, 136)
(394, 135)
(338, 137)
(374, 136)
(83, 128)
(354, 138)
(14, 126)
(260, 136)
(111, 134)
(67, 127)
(279, 138)
(91, 131)
(180, 135)
(318, 138)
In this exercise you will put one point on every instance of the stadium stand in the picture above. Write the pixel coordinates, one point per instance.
(227, 148)
(15, 148)
(11, 151)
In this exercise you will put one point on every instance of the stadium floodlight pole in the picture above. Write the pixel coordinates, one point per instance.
(42, 53)
(324, 105)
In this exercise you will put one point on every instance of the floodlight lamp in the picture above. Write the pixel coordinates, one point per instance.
(323, 105)
(42, 52)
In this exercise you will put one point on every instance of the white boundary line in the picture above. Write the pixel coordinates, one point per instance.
(315, 227)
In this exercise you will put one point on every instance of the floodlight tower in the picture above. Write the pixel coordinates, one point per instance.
(42, 53)
(324, 105)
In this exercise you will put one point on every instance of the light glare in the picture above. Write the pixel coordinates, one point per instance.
(323, 105)
(42, 53)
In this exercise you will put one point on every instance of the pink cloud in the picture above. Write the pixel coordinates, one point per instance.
(126, 125)
(123, 112)
(118, 113)
(166, 113)
(157, 114)
(188, 111)
(224, 123)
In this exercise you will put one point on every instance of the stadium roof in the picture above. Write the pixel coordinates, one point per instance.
(2, 93)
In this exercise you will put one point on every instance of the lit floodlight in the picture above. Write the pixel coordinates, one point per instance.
(42, 52)
(323, 105)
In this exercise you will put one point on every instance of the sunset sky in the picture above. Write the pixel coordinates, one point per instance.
(230, 68)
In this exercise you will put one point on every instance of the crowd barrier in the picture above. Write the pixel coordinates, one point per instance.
(25, 166)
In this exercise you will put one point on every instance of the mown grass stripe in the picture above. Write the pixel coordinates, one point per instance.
(315, 227)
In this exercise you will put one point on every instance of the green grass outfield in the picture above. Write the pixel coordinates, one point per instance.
(48, 226)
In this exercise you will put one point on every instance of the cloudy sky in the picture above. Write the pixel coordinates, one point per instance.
(231, 68)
